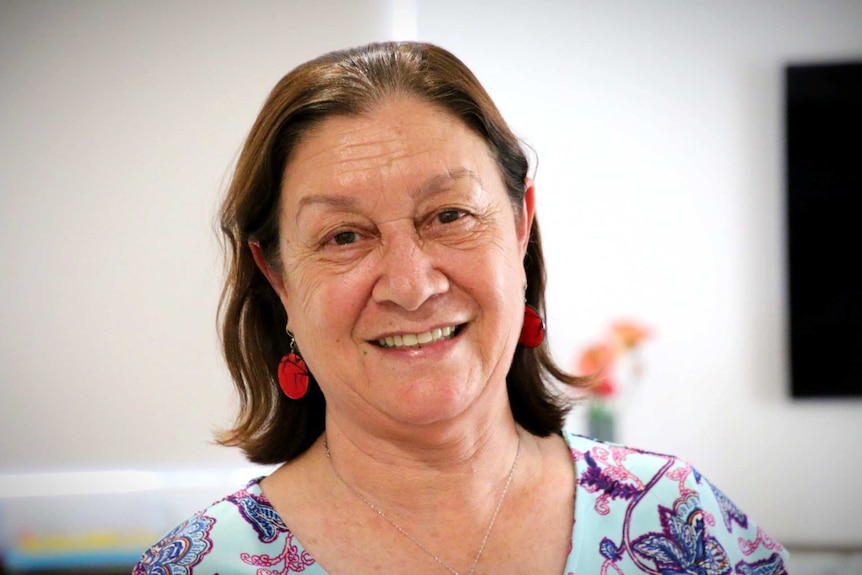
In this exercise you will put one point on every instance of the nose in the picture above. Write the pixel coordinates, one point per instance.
(408, 275)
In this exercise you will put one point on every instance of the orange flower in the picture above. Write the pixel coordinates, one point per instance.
(629, 334)
(598, 357)
(598, 360)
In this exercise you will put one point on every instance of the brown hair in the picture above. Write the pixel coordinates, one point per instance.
(271, 428)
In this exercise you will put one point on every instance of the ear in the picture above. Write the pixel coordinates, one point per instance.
(272, 276)
(528, 211)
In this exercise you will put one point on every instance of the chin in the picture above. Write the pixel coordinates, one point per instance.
(435, 403)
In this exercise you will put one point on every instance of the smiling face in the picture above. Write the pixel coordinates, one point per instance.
(402, 265)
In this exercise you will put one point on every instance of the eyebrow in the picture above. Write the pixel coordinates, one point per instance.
(437, 183)
(431, 186)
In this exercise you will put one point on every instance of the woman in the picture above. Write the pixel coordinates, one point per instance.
(385, 268)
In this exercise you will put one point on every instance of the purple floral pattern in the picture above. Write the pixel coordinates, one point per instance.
(258, 511)
(635, 512)
(180, 550)
(272, 549)
(610, 480)
(597, 480)
(639, 489)
(772, 565)
(729, 512)
(683, 546)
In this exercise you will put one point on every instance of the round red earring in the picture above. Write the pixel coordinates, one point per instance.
(533, 330)
(293, 373)
(293, 376)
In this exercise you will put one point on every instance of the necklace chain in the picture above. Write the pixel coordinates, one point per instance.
(415, 541)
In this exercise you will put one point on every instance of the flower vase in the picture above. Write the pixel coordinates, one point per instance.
(600, 421)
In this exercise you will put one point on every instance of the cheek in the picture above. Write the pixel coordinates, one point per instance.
(301, 288)
(496, 282)
(511, 279)
(320, 302)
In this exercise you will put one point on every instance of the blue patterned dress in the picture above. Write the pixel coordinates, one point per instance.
(635, 512)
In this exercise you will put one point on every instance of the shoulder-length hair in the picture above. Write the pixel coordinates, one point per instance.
(271, 428)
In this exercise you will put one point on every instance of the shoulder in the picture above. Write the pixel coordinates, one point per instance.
(656, 510)
(241, 531)
(600, 465)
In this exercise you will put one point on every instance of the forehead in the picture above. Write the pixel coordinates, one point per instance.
(399, 142)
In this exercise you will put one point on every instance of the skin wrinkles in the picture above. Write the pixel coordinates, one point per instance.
(471, 224)
(435, 184)
(320, 216)
(357, 153)
(385, 180)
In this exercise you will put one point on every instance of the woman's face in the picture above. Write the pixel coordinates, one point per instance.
(402, 264)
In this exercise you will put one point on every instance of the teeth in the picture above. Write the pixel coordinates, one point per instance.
(417, 339)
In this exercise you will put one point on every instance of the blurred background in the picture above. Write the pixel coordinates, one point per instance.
(658, 128)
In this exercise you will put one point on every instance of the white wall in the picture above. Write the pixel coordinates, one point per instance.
(657, 126)
(658, 131)
(118, 124)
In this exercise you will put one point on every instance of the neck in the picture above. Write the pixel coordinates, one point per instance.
(428, 471)
(376, 508)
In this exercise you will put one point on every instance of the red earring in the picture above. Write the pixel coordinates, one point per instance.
(293, 373)
(533, 330)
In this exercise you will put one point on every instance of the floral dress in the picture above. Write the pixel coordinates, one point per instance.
(635, 512)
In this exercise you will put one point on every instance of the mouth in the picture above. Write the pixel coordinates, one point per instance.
(415, 340)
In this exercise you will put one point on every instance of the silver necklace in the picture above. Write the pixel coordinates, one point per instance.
(415, 541)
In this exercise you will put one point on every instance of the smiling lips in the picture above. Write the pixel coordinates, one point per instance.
(417, 339)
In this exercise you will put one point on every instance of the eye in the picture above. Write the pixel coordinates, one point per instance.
(344, 238)
(449, 216)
